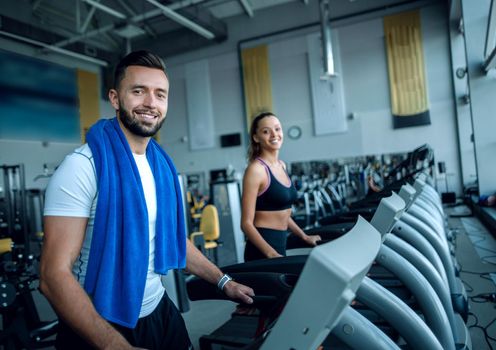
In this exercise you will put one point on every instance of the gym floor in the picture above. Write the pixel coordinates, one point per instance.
(475, 252)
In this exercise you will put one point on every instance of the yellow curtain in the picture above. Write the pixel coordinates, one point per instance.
(407, 81)
(256, 81)
(89, 107)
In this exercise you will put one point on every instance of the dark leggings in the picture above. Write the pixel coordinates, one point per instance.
(164, 328)
(275, 238)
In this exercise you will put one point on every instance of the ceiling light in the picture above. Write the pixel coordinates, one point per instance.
(129, 31)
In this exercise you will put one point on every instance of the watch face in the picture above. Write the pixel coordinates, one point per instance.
(294, 132)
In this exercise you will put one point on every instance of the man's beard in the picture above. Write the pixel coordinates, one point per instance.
(134, 125)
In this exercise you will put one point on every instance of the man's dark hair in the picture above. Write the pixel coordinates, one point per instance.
(137, 58)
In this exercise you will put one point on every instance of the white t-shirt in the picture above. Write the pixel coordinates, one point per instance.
(72, 191)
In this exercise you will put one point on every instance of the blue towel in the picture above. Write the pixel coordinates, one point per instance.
(118, 259)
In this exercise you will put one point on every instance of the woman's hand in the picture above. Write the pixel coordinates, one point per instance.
(274, 254)
(312, 239)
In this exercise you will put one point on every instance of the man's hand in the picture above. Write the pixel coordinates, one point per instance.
(312, 240)
(239, 291)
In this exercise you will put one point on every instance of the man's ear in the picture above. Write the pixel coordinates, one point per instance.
(114, 98)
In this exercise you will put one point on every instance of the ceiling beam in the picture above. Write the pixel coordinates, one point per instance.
(186, 22)
(135, 19)
(175, 6)
(108, 53)
(41, 38)
(247, 7)
(55, 49)
(184, 40)
(42, 12)
(86, 35)
(87, 20)
(106, 9)
(133, 13)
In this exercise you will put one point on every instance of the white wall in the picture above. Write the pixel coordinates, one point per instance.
(34, 153)
(366, 89)
(366, 83)
(227, 103)
(366, 86)
(461, 90)
(482, 93)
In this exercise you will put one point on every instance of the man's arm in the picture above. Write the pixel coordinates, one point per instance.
(63, 238)
(199, 265)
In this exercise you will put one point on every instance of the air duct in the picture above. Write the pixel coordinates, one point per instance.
(325, 29)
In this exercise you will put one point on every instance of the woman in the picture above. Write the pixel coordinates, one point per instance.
(268, 194)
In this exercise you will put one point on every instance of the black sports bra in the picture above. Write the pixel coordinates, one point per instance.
(276, 196)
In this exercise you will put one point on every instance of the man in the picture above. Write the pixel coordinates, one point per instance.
(113, 224)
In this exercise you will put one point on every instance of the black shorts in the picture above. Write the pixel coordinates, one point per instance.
(276, 239)
(164, 328)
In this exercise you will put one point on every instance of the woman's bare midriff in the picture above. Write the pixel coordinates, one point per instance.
(277, 220)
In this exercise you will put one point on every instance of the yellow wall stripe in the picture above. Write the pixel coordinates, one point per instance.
(256, 81)
(406, 64)
(89, 102)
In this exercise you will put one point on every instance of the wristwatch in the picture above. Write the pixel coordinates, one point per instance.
(223, 281)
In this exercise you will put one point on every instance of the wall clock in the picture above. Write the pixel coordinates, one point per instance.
(294, 132)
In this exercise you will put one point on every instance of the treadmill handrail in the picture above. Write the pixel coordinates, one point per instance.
(389, 210)
(330, 277)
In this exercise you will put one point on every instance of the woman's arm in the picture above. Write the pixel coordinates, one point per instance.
(253, 181)
(297, 231)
